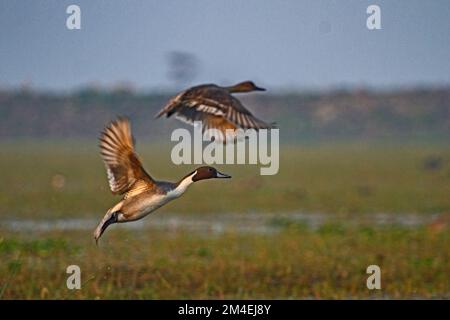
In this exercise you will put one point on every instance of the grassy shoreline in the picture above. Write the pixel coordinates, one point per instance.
(297, 263)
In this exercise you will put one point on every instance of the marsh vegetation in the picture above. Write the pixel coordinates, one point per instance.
(341, 186)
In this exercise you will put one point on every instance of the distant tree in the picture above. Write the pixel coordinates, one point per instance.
(183, 67)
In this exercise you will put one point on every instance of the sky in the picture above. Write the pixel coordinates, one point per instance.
(278, 44)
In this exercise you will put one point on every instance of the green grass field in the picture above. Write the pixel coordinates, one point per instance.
(347, 178)
(347, 181)
(297, 263)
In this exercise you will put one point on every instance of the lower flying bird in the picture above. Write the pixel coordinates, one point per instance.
(126, 176)
(216, 108)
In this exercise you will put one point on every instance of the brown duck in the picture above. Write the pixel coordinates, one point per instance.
(126, 176)
(215, 107)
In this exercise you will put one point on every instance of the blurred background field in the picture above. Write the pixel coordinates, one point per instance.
(339, 203)
(67, 179)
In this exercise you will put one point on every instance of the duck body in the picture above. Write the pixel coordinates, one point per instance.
(140, 205)
(126, 176)
(215, 107)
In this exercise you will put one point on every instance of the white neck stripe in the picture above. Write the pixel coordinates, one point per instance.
(183, 185)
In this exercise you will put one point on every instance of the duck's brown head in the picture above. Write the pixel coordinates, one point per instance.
(246, 86)
(206, 172)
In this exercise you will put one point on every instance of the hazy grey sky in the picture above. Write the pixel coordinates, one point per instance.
(314, 44)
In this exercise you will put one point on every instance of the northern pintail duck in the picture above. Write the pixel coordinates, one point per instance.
(126, 176)
(215, 107)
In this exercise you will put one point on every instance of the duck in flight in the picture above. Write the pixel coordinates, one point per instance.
(216, 108)
(127, 177)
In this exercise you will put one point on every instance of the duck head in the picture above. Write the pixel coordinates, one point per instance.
(246, 86)
(207, 172)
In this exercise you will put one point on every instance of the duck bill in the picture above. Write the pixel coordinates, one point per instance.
(259, 89)
(222, 175)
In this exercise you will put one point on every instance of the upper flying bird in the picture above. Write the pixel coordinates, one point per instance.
(215, 107)
(126, 176)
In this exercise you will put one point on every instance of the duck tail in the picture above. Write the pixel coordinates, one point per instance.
(160, 113)
(171, 106)
(108, 219)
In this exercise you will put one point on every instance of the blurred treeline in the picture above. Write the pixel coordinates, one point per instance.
(301, 116)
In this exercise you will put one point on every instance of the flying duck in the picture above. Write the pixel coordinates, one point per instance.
(215, 107)
(126, 176)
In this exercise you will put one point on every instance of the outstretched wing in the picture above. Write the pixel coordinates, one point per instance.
(215, 107)
(124, 169)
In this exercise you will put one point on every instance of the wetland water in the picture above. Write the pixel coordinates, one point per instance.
(260, 223)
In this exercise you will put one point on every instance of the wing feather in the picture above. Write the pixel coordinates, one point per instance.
(202, 102)
(123, 167)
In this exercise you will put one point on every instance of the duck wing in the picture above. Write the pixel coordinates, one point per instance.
(126, 174)
(209, 103)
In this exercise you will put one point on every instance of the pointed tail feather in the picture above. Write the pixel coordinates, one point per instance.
(109, 218)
